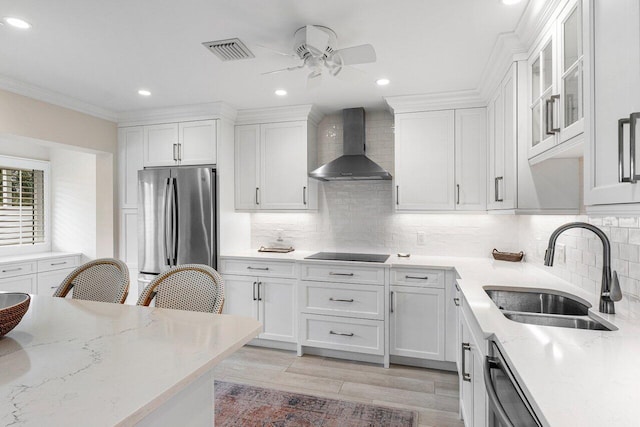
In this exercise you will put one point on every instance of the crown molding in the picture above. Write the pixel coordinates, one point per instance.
(506, 49)
(536, 16)
(45, 95)
(212, 110)
(279, 114)
(435, 101)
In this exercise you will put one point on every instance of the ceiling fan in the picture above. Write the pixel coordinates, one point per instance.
(315, 45)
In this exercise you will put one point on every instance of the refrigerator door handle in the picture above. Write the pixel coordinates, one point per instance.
(174, 220)
(167, 225)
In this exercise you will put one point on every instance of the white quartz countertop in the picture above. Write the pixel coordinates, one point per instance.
(572, 377)
(36, 256)
(72, 362)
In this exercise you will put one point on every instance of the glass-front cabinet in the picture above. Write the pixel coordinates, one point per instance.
(555, 83)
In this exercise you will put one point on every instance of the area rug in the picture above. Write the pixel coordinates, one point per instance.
(247, 406)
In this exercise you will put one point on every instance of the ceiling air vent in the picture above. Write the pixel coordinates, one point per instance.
(229, 50)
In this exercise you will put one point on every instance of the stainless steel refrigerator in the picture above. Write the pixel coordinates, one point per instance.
(177, 221)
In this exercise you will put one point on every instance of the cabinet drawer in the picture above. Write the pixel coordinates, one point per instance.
(417, 277)
(49, 281)
(358, 335)
(17, 269)
(258, 268)
(363, 301)
(342, 273)
(25, 283)
(58, 263)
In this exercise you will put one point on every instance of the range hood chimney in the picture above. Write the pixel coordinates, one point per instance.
(353, 164)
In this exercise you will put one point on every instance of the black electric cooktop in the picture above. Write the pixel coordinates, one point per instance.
(342, 256)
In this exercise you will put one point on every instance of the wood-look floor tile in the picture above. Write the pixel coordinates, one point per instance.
(354, 376)
(446, 389)
(412, 398)
(428, 417)
(278, 377)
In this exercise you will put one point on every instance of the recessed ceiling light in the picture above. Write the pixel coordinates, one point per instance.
(280, 92)
(17, 22)
(382, 82)
(510, 2)
(144, 92)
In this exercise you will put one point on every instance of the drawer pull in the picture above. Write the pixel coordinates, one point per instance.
(340, 300)
(331, 273)
(10, 270)
(456, 301)
(54, 287)
(59, 263)
(341, 334)
(417, 277)
(457, 287)
(258, 268)
(465, 347)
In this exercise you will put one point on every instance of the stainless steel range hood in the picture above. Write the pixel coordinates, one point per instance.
(353, 164)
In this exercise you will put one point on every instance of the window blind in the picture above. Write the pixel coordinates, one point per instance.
(21, 207)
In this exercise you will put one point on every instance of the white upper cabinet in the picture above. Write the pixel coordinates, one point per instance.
(471, 159)
(273, 160)
(503, 139)
(555, 83)
(613, 102)
(424, 161)
(130, 152)
(185, 143)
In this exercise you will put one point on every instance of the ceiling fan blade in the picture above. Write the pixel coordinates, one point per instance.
(348, 74)
(317, 40)
(291, 55)
(357, 54)
(284, 69)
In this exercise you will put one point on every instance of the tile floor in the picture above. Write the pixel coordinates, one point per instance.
(433, 394)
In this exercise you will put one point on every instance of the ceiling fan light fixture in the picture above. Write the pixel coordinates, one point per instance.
(144, 92)
(280, 92)
(17, 22)
(383, 82)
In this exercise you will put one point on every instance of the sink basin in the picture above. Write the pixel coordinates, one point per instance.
(536, 302)
(560, 321)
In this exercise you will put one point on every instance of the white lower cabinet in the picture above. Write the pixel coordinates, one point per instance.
(49, 281)
(417, 322)
(39, 274)
(27, 284)
(272, 301)
(337, 333)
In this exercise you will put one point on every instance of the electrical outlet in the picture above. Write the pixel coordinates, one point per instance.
(561, 254)
(421, 238)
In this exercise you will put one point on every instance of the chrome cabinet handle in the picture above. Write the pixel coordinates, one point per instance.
(12, 269)
(391, 303)
(344, 334)
(257, 196)
(180, 152)
(304, 195)
(417, 277)
(175, 152)
(494, 401)
(340, 300)
(633, 120)
(58, 263)
(259, 296)
(465, 376)
(397, 194)
(254, 291)
(331, 273)
(258, 268)
(549, 114)
(554, 98)
(621, 177)
(456, 301)
(496, 181)
(457, 288)
(457, 194)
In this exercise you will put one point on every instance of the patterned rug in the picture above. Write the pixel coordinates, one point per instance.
(243, 405)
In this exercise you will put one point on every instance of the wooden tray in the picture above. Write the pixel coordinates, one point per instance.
(507, 256)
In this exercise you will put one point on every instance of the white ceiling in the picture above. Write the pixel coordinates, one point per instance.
(102, 52)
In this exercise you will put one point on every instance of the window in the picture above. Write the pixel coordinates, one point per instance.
(22, 202)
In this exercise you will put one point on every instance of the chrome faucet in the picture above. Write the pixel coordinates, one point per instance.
(610, 287)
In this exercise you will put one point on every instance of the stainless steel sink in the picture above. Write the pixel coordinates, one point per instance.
(574, 322)
(536, 302)
(545, 309)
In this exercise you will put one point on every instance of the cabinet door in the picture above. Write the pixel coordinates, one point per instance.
(502, 125)
(241, 296)
(278, 309)
(49, 281)
(570, 66)
(417, 322)
(26, 284)
(197, 142)
(479, 391)
(425, 161)
(283, 166)
(160, 144)
(613, 70)
(471, 159)
(247, 166)
(130, 160)
(465, 372)
(543, 96)
(129, 237)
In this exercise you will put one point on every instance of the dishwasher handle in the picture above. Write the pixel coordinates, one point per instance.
(494, 402)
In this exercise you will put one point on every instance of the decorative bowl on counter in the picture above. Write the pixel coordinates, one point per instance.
(13, 305)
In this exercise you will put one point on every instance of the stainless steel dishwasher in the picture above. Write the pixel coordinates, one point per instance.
(508, 407)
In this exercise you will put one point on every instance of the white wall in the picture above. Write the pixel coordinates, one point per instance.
(73, 202)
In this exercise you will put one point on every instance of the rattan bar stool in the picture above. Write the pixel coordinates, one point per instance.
(193, 287)
(104, 280)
